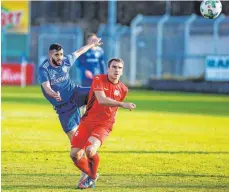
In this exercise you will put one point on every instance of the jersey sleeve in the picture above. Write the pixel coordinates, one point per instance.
(43, 75)
(71, 58)
(97, 84)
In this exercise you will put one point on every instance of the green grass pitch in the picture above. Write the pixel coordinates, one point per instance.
(171, 142)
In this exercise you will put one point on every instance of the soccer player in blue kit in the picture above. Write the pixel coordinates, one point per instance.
(91, 63)
(58, 88)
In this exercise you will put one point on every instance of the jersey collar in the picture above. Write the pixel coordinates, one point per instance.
(112, 82)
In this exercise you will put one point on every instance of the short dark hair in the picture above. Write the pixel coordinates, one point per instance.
(115, 59)
(55, 46)
(91, 35)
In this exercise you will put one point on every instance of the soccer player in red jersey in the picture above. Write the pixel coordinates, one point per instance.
(106, 95)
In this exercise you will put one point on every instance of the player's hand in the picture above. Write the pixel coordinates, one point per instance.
(88, 74)
(129, 106)
(57, 96)
(95, 42)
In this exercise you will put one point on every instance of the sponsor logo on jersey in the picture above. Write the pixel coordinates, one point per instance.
(92, 60)
(59, 80)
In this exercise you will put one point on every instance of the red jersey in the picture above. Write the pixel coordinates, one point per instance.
(100, 114)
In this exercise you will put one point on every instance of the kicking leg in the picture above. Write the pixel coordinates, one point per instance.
(71, 133)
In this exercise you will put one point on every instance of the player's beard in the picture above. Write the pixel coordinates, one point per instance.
(54, 62)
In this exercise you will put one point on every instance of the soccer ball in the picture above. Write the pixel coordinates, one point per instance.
(210, 8)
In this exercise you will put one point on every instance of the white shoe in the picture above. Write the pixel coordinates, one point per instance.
(82, 177)
(88, 182)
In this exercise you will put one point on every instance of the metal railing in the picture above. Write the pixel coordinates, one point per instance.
(157, 47)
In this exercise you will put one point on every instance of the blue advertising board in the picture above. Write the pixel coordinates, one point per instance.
(217, 68)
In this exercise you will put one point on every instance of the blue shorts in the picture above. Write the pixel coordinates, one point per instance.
(86, 82)
(69, 113)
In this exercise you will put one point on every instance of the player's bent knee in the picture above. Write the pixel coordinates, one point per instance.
(92, 146)
(73, 155)
(76, 154)
(91, 151)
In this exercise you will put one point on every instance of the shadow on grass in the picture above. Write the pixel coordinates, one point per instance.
(134, 186)
(193, 107)
(13, 187)
(120, 175)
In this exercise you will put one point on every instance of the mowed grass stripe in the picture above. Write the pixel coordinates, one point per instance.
(132, 152)
(215, 108)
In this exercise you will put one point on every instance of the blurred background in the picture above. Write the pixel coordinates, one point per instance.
(166, 45)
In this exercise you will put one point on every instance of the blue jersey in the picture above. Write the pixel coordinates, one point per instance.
(92, 60)
(59, 79)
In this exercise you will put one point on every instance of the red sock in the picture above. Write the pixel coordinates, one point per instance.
(83, 165)
(94, 161)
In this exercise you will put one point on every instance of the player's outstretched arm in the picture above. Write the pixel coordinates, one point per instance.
(103, 100)
(50, 92)
(94, 43)
(129, 106)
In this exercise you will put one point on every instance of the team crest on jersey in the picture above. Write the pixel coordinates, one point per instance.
(116, 92)
(65, 69)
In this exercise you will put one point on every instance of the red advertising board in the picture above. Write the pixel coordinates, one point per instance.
(15, 73)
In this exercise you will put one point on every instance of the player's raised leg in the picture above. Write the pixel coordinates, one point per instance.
(71, 133)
